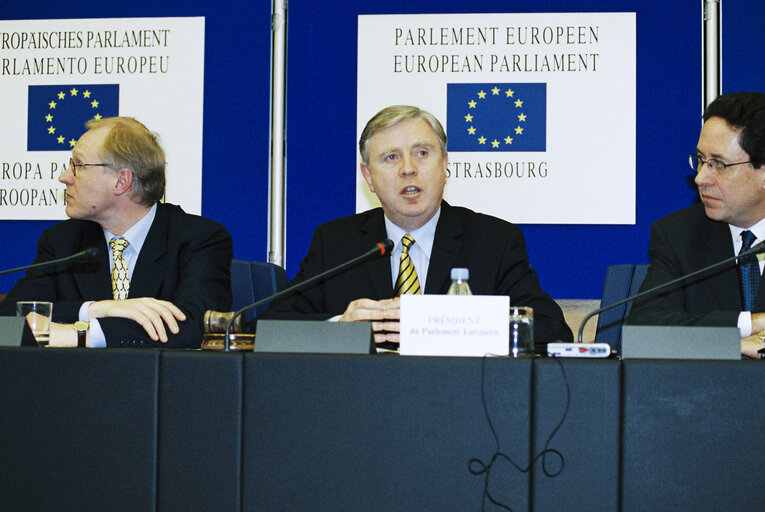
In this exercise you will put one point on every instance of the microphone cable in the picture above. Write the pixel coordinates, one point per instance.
(477, 467)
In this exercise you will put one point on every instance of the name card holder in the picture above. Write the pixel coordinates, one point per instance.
(454, 325)
(15, 332)
(311, 336)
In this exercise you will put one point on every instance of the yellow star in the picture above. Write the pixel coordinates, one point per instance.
(86, 94)
(51, 129)
(94, 104)
(495, 143)
(495, 91)
(509, 93)
(482, 140)
(48, 118)
(73, 92)
(522, 117)
(61, 95)
(72, 142)
(518, 103)
(472, 104)
(518, 130)
(97, 116)
(468, 118)
(60, 139)
(481, 94)
(471, 130)
(52, 104)
(508, 140)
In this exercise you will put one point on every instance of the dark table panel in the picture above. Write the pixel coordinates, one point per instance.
(78, 430)
(692, 435)
(145, 430)
(200, 431)
(587, 435)
(381, 433)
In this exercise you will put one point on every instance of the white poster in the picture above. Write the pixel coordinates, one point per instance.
(539, 109)
(57, 74)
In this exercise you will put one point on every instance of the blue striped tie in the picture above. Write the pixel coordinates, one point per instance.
(749, 270)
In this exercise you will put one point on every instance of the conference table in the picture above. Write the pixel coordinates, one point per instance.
(144, 430)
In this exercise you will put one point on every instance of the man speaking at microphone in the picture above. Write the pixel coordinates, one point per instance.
(730, 176)
(404, 159)
(158, 268)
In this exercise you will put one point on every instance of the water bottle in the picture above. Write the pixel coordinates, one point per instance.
(460, 284)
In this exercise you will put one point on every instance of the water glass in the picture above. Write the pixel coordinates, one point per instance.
(521, 331)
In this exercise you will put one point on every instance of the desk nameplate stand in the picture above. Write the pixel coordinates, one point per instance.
(678, 342)
(318, 337)
(15, 332)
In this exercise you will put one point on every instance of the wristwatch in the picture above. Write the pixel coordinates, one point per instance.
(82, 332)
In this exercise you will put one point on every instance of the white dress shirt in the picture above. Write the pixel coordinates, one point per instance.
(745, 317)
(135, 236)
(419, 252)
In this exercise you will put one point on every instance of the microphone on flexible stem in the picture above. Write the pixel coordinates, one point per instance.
(88, 254)
(757, 249)
(383, 248)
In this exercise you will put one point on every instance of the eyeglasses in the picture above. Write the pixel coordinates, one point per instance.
(74, 165)
(717, 166)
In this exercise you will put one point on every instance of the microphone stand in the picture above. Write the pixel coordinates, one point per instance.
(87, 254)
(749, 252)
(380, 249)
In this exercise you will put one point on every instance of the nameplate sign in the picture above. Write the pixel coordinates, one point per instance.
(454, 325)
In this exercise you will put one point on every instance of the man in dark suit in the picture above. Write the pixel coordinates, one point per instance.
(158, 270)
(404, 160)
(730, 176)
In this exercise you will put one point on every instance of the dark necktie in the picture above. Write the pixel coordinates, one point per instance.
(749, 270)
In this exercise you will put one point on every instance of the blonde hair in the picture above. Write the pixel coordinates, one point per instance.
(129, 144)
(392, 115)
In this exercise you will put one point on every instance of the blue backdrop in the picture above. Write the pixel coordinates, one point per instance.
(321, 119)
(570, 259)
(236, 115)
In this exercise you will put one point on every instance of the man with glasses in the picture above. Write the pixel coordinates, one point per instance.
(158, 268)
(730, 175)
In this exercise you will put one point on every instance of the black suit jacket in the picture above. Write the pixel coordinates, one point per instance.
(186, 259)
(681, 243)
(492, 249)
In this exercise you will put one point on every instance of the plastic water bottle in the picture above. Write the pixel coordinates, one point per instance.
(460, 284)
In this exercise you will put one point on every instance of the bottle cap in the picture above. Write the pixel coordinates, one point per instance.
(460, 274)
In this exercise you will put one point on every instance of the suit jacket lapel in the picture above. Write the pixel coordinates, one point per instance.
(716, 247)
(446, 246)
(759, 303)
(146, 280)
(97, 284)
(378, 270)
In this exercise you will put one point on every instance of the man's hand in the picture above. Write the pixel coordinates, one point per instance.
(152, 314)
(758, 322)
(750, 345)
(62, 335)
(384, 315)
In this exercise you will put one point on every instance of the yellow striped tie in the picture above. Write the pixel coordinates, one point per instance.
(120, 276)
(407, 281)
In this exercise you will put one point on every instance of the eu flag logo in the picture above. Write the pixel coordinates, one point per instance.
(497, 117)
(57, 114)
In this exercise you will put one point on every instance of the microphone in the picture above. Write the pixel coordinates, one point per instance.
(88, 254)
(757, 249)
(383, 248)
